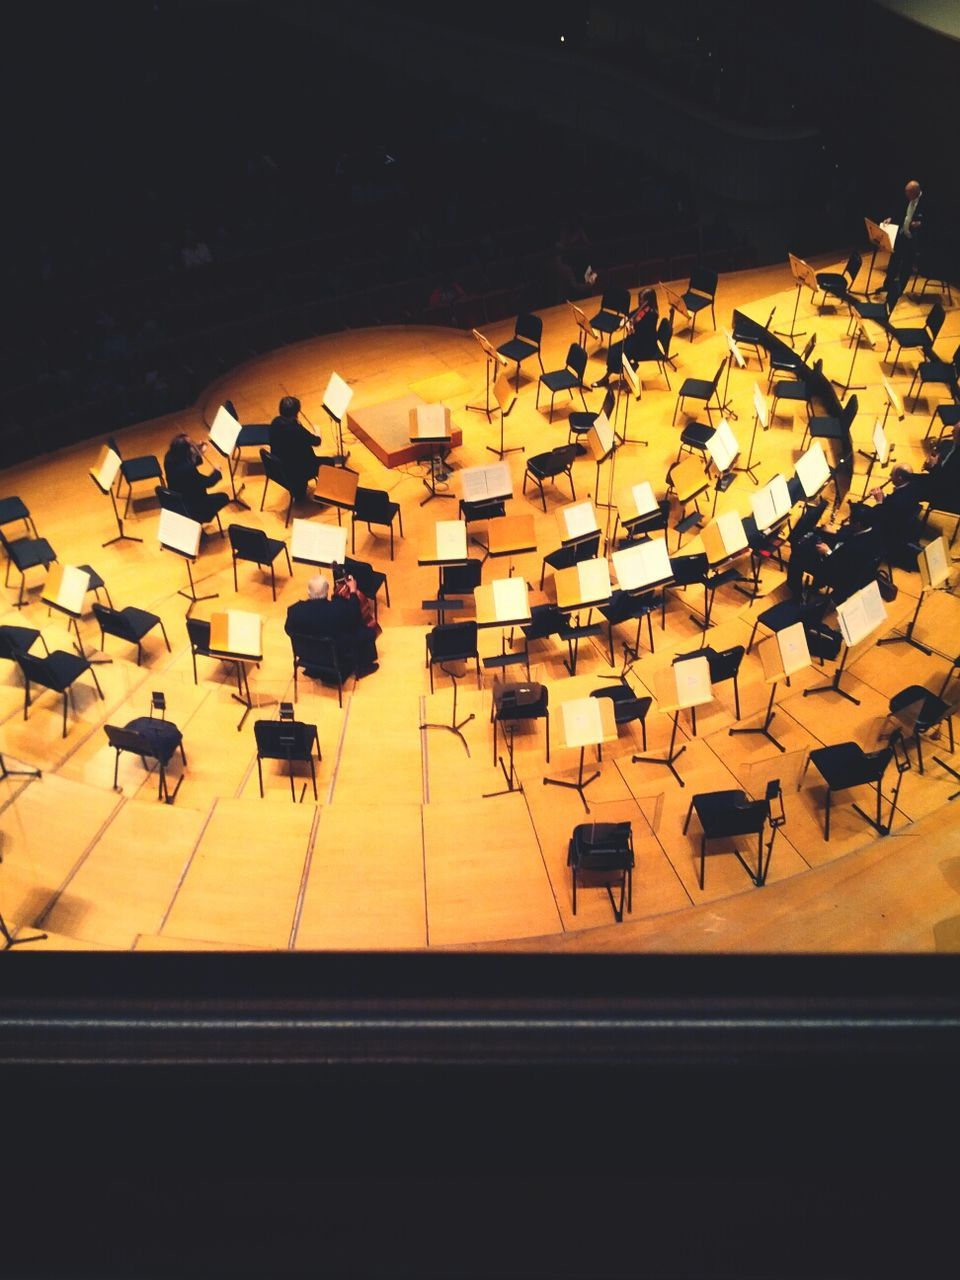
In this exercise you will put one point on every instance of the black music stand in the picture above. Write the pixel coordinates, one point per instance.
(846, 387)
(733, 355)
(585, 722)
(455, 726)
(107, 489)
(223, 435)
(492, 358)
(668, 692)
(181, 535)
(10, 941)
(336, 398)
(801, 273)
(759, 416)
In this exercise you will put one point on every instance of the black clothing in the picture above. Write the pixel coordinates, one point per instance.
(342, 621)
(292, 446)
(903, 260)
(185, 478)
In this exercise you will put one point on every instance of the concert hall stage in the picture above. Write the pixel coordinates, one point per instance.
(385, 430)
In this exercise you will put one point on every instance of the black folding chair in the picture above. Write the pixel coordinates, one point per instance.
(726, 815)
(128, 624)
(250, 543)
(603, 851)
(289, 740)
(57, 671)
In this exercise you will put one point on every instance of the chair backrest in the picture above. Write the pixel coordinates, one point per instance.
(601, 846)
(688, 570)
(171, 501)
(616, 300)
(319, 652)
(850, 411)
(457, 578)
(934, 321)
(231, 409)
(10, 644)
(739, 816)
(720, 368)
(587, 548)
(274, 470)
(665, 335)
(452, 640)
(808, 349)
(852, 269)
(36, 669)
(369, 580)
(808, 521)
(577, 360)
(198, 632)
(284, 739)
(703, 280)
(724, 664)
(372, 504)
(249, 543)
(893, 297)
(112, 621)
(545, 620)
(112, 444)
(529, 327)
(125, 739)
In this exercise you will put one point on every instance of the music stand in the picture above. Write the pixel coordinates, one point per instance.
(454, 726)
(803, 275)
(782, 655)
(934, 565)
(587, 331)
(893, 402)
(336, 487)
(336, 398)
(224, 433)
(511, 696)
(503, 603)
(723, 449)
(673, 301)
(491, 484)
(724, 539)
(506, 395)
(635, 506)
(431, 424)
(882, 454)
(10, 941)
(236, 635)
(642, 570)
(511, 536)
(812, 471)
(771, 507)
(860, 335)
(734, 355)
(601, 443)
(181, 535)
(583, 585)
(64, 590)
(319, 545)
(584, 722)
(682, 686)
(859, 616)
(632, 378)
(881, 236)
(103, 476)
(493, 358)
(449, 549)
(761, 416)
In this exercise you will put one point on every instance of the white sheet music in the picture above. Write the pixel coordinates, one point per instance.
(637, 501)
(65, 587)
(934, 562)
(337, 397)
(430, 422)
(812, 470)
(107, 468)
(632, 376)
(881, 445)
(237, 631)
(722, 446)
(582, 726)
(486, 483)
(792, 643)
(732, 533)
(594, 576)
(861, 614)
(318, 543)
(734, 349)
(576, 520)
(642, 565)
(760, 406)
(693, 682)
(771, 503)
(179, 533)
(510, 598)
(891, 230)
(896, 404)
(451, 540)
(601, 434)
(224, 431)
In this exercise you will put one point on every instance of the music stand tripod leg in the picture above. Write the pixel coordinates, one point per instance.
(486, 407)
(834, 685)
(513, 784)
(578, 786)
(10, 941)
(191, 595)
(235, 499)
(794, 331)
(120, 536)
(454, 726)
(764, 728)
(670, 756)
(907, 637)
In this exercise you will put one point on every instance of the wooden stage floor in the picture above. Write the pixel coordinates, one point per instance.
(403, 851)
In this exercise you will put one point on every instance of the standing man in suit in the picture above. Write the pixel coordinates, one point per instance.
(910, 229)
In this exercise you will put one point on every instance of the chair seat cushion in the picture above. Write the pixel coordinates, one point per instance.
(518, 350)
(560, 380)
(827, 428)
(917, 701)
(698, 387)
(910, 337)
(145, 468)
(96, 582)
(20, 638)
(163, 734)
(627, 707)
(29, 552)
(12, 509)
(781, 615)
(832, 282)
(64, 668)
(949, 414)
(607, 321)
(696, 434)
(580, 423)
(141, 620)
(255, 435)
(790, 391)
(937, 371)
(713, 805)
(546, 464)
(696, 302)
(839, 765)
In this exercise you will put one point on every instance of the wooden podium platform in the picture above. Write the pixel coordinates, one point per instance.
(385, 430)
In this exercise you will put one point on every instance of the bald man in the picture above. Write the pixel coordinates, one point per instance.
(910, 227)
(337, 619)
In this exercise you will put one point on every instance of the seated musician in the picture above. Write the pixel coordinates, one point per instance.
(181, 466)
(292, 445)
(339, 618)
(640, 341)
(855, 541)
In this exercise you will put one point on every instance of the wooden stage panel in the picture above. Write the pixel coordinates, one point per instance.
(385, 430)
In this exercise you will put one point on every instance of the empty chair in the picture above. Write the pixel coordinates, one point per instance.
(726, 815)
(603, 851)
(786, 361)
(249, 543)
(746, 333)
(134, 470)
(785, 614)
(512, 702)
(569, 378)
(150, 739)
(827, 427)
(919, 710)
(878, 312)
(289, 740)
(571, 553)
(580, 423)
(452, 642)
(57, 671)
(945, 373)
(272, 470)
(701, 293)
(198, 633)
(14, 508)
(700, 389)
(847, 765)
(628, 708)
(614, 309)
(909, 338)
(527, 334)
(128, 624)
(375, 506)
(624, 607)
(688, 479)
(545, 620)
(837, 284)
(24, 554)
(547, 466)
(318, 658)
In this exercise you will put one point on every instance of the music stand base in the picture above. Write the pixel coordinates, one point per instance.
(906, 639)
(452, 728)
(748, 471)
(513, 784)
(763, 729)
(577, 786)
(953, 773)
(666, 760)
(121, 537)
(10, 941)
(832, 688)
(516, 448)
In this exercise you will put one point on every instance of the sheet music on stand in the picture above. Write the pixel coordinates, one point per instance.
(644, 565)
(577, 520)
(600, 438)
(583, 584)
(632, 376)
(803, 273)
(673, 299)
(723, 447)
(237, 632)
(934, 562)
(337, 397)
(488, 349)
(65, 588)
(505, 602)
(792, 653)
(107, 468)
(692, 681)
(861, 614)
(724, 537)
(893, 400)
(812, 470)
(582, 323)
(760, 406)
(486, 483)
(636, 502)
(317, 544)
(430, 422)
(771, 503)
(451, 540)
(881, 445)
(179, 533)
(733, 349)
(224, 431)
(587, 722)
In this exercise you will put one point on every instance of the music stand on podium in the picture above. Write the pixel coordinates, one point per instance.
(336, 400)
(584, 585)
(859, 616)
(493, 358)
(181, 535)
(584, 722)
(224, 433)
(882, 236)
(236, 636)
(734, 356)
(336, 487)
(782, 655)
(682, 686)
(803, 274)
(934, 565)
(103, 476)
(431, 424)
